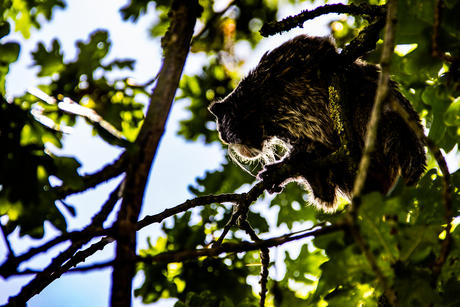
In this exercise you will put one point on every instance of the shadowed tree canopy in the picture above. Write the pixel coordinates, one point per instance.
(400, 249)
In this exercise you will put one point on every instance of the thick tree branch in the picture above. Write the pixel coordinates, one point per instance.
(176, 45)
(291, 22)
(380, 99)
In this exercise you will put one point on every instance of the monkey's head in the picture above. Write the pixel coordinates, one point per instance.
(239, 122)
(283, 98)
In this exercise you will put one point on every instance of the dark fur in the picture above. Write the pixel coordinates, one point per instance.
(286, 96)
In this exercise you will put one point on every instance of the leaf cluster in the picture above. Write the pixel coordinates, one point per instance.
(29, 124)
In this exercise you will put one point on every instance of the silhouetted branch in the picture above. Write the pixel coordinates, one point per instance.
(9, 267)
(264, 257)
(176, 45)
(364, 42)
(56, 268)
(75, 270)
(292, 22)
(191, 203)
(43, 278)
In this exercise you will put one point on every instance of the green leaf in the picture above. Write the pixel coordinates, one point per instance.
(453, 113)
(206, 299)
(5, 28)
(304, 267)
(67, 171)
(9, 53)
(50, 62)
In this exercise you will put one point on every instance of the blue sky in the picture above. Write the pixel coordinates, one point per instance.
(172, 172)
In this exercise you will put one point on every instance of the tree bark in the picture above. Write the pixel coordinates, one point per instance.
(176, 45)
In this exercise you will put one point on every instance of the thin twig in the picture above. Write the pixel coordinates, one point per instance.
(264, 258)
(74, 270)
(191, 203)
(213, 18)
(381, 98)
(237, 212)
(9, 267)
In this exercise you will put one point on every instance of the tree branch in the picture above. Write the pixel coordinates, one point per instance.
(264, 257)
(364, 42)
(191, 203)
(176, 44)
(7, 242)
(380, 99)
(56, 268)
(291, 22)
(9, 267)
(169, 257)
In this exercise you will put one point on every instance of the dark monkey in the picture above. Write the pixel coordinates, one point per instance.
(286, 98)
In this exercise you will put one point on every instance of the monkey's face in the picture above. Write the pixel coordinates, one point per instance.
(239, 123)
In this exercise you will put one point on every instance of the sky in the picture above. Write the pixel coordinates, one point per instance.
(172, 171)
